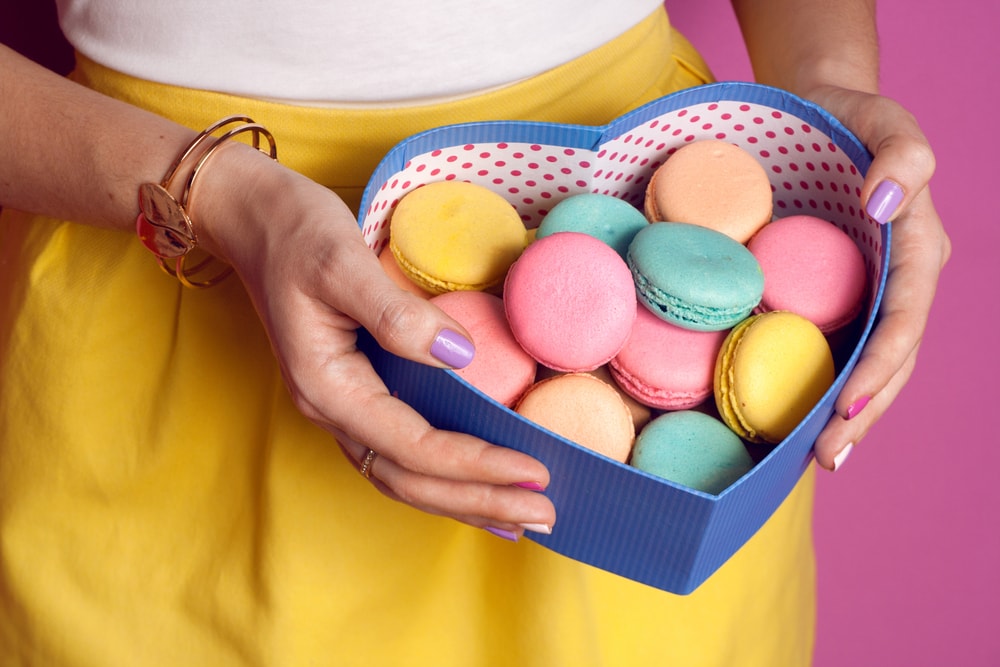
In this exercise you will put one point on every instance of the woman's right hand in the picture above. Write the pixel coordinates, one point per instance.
(301, 256)
(313, 280)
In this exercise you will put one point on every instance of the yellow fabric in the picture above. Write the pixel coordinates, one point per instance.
(162, 502)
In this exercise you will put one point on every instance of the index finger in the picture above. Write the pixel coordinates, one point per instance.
(920, 248)
(357, 402)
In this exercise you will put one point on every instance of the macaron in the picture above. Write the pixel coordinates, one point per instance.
(692, 448)
(667, 367)
(452, 235)
(641, 413)
(813, 268)
(605, 217)
(582, 409)
(391, 268)
(501, 369)
(772, 370)
(712, 183)
(693, 276)
(570, 301)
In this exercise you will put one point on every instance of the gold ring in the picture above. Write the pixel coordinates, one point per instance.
(366, 464)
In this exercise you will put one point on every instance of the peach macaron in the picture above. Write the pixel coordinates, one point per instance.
(711, 183)
(584, 410)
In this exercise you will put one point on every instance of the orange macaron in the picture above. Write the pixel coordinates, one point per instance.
(714, 184)
(583, 409)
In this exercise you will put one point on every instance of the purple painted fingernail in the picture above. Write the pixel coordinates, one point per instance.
(453, 349)
(884, 201)
(530, 486)
(857, 406)
(508, 535)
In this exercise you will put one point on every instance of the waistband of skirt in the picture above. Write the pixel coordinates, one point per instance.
(339, 146)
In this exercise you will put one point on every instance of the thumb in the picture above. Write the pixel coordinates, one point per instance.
(411, 326)
(903, 163)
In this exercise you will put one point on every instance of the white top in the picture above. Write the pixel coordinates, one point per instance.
(325, 51)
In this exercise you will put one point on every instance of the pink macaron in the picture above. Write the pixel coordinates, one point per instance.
(570, 301)
(665, 366)
(812, 268)
(501, 369)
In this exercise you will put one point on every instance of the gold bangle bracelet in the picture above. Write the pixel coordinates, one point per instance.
(163, 224)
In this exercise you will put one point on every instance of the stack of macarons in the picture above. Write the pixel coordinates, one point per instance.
(616, 328)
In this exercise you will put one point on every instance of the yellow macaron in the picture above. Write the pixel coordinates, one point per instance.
(451, 235)
(773, 368)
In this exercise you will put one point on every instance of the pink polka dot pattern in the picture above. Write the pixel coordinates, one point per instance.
(809, 173)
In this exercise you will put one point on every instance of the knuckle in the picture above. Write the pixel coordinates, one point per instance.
(922, 156)
(407, 495)
(397, 321)
(945, 249)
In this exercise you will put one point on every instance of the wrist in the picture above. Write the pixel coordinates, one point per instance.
(806, 45)
(815, 75)
(226, 209)
(166, 225)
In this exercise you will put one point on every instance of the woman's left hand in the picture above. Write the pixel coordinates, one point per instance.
(896, 189)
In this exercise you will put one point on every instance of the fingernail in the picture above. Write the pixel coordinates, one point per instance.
(838, 460)
(530, 486)
(538, 528)
(453, 349)
(503, 534)
(884, 201)
(857, 406)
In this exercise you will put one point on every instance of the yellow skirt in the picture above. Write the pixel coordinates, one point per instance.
(162, 502)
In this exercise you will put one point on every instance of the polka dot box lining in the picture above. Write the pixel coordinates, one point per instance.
(612, 516)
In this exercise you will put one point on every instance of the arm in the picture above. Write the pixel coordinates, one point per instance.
(828, 52)
(78, 155)
(800, 45)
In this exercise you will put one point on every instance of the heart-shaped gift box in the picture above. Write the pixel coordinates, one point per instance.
(610, 515)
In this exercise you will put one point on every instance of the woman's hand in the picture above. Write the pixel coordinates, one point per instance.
(896, 189)
(300, 254)
(828, 52)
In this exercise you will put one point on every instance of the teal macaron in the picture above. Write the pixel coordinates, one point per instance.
(693, 449)
(608, 218)
(694, 277)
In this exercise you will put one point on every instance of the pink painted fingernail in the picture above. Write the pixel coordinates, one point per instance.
(543, 528)
(838, 460)
(508, 535)
(884, 201)
(530, 486)
(857, 406)
(453, 349)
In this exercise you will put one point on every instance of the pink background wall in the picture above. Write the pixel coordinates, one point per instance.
(908, 532)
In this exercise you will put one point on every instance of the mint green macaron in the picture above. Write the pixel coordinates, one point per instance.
(694, 277)
(691, 448)
(612, 220)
